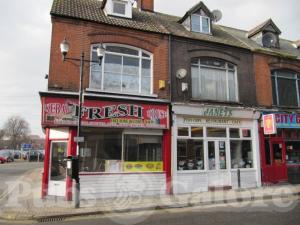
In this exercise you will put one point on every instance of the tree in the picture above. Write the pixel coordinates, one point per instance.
(16, 129)
(1, 134)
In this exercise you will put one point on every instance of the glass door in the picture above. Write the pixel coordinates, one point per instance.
(217, 163)
(57, 179)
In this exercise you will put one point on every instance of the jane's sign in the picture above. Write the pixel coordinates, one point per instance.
(59, 111)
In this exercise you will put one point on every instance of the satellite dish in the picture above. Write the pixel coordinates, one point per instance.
(217, 15)
(269, 40)
(181, 73)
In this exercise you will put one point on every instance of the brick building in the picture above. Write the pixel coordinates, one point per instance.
(174, 105)
(276, 71)
(125, 114)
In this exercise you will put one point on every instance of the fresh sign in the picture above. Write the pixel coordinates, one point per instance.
(64, 112)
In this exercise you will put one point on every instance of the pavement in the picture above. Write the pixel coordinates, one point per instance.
(25, 203)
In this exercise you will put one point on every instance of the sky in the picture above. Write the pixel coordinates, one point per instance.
(25, 27)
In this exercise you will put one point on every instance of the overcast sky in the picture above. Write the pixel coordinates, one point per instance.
(25, 41)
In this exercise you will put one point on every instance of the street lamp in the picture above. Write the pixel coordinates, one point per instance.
(64, 48)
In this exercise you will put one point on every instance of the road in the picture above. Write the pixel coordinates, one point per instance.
(251, 214)
(13, 171)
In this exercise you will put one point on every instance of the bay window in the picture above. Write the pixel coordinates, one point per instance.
(285, 88)
(214, 79)
(124, 69)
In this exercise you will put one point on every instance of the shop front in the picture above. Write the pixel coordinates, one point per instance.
(126, 147)
(212, 146)
(280, 148)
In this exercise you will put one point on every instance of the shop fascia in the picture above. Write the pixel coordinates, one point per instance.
(200, 114)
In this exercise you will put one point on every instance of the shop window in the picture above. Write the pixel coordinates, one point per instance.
(246, 133)
(214, 79)
(124, 69)
(293, 152)
(241, 154)
(216, 132)
(143, 148)
(190, 154)
(183, 131)
(234, 132)
(285, 88)
(197, 131)
(103, 152)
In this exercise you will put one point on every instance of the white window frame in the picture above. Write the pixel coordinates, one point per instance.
(201, 25)
(205, 139)
(139, 56)
(125, 3)
(227, 81)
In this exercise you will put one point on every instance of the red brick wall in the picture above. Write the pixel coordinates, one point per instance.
(81, 35)
(263, 80)
(263, 65)
(147, 5)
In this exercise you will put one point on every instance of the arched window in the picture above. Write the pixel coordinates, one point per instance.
(285, 88)
(214, 79)
(124, 70)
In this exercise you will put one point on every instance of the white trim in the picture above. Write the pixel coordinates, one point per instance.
(140, 75)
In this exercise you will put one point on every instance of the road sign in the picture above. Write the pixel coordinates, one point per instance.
(26, 146)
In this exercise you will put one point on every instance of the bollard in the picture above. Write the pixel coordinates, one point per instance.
(239, 177)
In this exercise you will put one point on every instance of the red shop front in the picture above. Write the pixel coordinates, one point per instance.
(126, 147)
(280, 150)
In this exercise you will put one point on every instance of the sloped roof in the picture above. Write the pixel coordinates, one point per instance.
(262, 27)
(90, 10)
(286, 47)
(195, 8)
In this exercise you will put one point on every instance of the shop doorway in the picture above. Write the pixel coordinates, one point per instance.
(57, 177)
(274, 168)
(218, 173)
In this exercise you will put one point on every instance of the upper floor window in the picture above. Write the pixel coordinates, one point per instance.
(124, 70)
(214, 79)
(119, 7)
(200, 23)
(285, 86)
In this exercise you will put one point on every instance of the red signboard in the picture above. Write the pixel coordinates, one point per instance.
(64, 112)
(269, 124)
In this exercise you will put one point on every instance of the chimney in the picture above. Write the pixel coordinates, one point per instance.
(146, 5)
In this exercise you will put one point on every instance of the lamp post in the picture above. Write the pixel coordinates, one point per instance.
(64, 48)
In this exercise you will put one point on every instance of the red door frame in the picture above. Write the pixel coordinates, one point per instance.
(279, 169)
(272, 173)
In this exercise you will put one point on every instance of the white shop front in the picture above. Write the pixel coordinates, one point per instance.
(210, 144)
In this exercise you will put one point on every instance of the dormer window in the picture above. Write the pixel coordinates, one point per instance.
(266, 34)
(120, 8)
(198, 19)
(200, 23)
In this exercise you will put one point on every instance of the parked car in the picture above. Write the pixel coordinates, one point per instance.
(2, 160)
(7, 155)
(17, 154)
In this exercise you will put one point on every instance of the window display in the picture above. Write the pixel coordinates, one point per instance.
(241, 154)
(293, 152)
(190, 154)
(140, 153)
